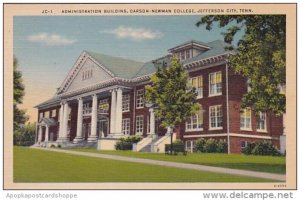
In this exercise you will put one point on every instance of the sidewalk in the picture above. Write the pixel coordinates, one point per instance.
(276, 177)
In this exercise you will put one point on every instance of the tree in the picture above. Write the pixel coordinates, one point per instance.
(19, 91)
(25, 135)
(260, 56)
(173, 99)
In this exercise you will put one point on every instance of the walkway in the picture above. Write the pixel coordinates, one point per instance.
(277, 177)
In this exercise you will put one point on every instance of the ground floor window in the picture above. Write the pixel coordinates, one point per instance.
(189, 145)
(261, 122)
(126, 126)
(194, 122)
(245, 119)
(215, 117)
(244, 144)
(139, 124)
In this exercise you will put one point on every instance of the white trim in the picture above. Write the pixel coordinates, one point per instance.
(214, 129)
(194, 130)
(206, 135)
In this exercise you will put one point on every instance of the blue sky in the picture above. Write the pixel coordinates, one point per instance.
(47, 47)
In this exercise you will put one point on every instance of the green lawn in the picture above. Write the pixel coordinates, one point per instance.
(33, 165)
(235, 161)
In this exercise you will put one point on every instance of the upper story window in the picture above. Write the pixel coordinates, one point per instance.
(139, 124)
(261, 122)
(184, 54)
(53, 113)
(197, 83)
(215, 117)
(194, 122)
(140, 98)
(245, 119)
(126, 126)
(47, 114)
(87, 109)
(87, 74)
(103, 106)
(125, 102)
(215, 83)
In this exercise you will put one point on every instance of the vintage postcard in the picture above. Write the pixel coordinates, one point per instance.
(150, 96)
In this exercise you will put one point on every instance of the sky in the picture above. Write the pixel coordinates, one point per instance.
(48, 46)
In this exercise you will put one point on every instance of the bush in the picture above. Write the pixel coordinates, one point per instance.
(25, 135)
(265, 148)
(248, 149)
(210, 146)
(127, 142)
(52, 146)
(199, 145)
(178, 142)
(221, 146)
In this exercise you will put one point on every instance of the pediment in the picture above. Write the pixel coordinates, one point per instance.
(86, 72)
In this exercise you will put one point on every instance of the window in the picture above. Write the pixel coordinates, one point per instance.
(126, 126)
(215, 116)
(245, 119)
(248, 85)
(188, 54)
(197, 83)
(182, 55)
(194, 122)
(125, 102)
(41, 115)
(215, 83)
(261, 122)
(86, 108)
(139, 124)
(87, 74)
(53, 113)
(47, 114)
(140, 99)
(189, 145)
(103, 106)
(244, 144)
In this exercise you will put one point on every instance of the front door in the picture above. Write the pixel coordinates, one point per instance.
(102, 127)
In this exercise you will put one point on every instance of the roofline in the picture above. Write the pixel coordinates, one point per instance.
(193, 43)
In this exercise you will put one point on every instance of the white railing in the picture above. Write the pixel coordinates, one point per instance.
(141, 144)
(159, 146)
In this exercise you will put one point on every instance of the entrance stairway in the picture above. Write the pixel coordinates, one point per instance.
(147, 148)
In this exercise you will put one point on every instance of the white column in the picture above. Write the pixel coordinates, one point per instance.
(152, 122)
(78, 137)
(118, 124)
(112, 112)
(61, 119)
(93, 136)
(40, 133)
(47, 134)
(65, 122)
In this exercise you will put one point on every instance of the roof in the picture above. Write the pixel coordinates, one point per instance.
(48, 121)
(191, 42)
(120, 67)
(53, 100)
(217, 47)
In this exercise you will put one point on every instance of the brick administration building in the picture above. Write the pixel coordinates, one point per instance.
(102, 99)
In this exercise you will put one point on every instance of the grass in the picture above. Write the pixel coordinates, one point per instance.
(270, 164)
(33, 165)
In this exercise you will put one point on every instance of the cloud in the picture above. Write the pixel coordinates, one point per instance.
(135, 34)
(50, 40)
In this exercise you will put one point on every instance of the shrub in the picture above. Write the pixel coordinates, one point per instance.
(248, 149)
(127, 142)
(52, 146)
(199, 145)
(221, 146)
(265, 148)
(59, 146)
(25, 135)
(178, 142)
(210, 146)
